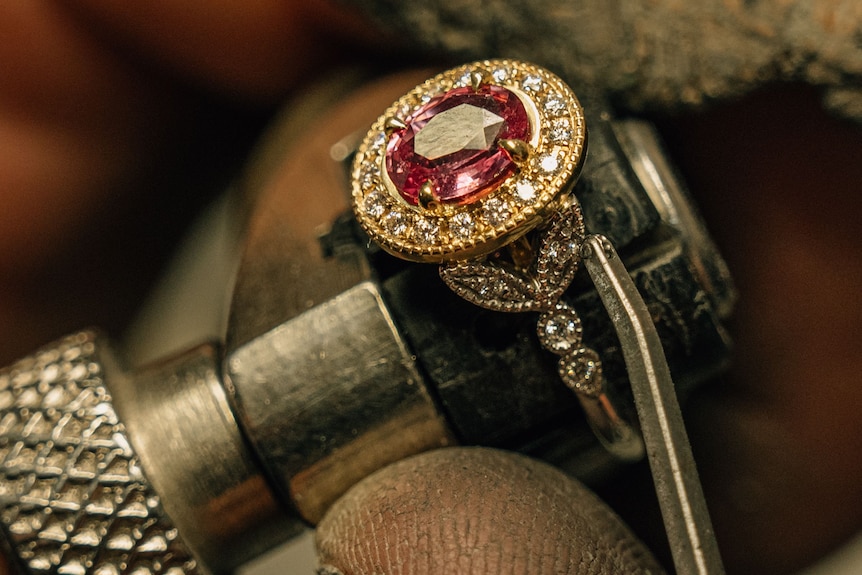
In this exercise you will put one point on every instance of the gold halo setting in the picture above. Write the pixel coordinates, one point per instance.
(455, 232)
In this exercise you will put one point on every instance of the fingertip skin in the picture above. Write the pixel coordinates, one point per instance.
(477, 511)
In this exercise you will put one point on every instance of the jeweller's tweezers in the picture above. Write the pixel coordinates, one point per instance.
(686, 518)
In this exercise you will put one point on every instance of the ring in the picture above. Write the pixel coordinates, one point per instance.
(468, 161)
(473, 169)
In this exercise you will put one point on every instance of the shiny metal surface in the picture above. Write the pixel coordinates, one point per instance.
(177, 415)
(335, 395)
(76, 496)
(322, 382)
(686, 517)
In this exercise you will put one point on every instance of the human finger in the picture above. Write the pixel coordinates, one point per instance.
(477, 511)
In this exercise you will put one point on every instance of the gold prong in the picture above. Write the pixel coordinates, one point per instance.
(518, 150)
(427, 198)
(392, 124)
(476, 80)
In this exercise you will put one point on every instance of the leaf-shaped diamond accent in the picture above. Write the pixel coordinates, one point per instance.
(490, 285)
(559, 251)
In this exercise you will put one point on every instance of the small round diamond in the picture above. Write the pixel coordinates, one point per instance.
(379, 141)
(549, 163)
(374, 205)
(560, 330)
(500, 75)
(582, 372)
(370, 176)
(560, 131)
(426, 231)
(462, 226)
(566, 231)
(497, 211)
(555, 104)
(525, 190)
(532, 83)
(466, 79)
(396, 222)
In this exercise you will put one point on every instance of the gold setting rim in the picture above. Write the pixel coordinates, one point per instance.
(394, 224)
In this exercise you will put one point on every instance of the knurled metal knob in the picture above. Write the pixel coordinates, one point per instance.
(74, 498)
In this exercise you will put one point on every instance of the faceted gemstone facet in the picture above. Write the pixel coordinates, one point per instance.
(464, 127)
(452, 142)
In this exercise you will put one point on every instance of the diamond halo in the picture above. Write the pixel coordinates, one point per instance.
(463, 231)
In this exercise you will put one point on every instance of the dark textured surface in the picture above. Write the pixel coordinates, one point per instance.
(648, 53)
(614, 203)
(493, 380)
(499, 387)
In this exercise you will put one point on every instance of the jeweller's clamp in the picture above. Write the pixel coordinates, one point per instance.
(339, 360)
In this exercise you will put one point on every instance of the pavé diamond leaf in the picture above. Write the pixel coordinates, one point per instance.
(489, 285)
(559, 251)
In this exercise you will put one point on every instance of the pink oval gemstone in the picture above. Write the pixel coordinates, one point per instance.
(452, 142)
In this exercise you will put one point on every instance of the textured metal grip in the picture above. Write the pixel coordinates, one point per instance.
(74, 499)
